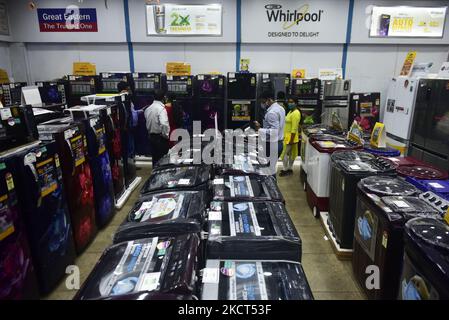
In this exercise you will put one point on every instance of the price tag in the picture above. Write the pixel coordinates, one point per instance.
(219, 181)
(183, 182)
(214, 215)
(210, 275)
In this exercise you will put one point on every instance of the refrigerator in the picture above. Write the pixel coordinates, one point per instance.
(241, 99)
(210, 98)
(307, 92)
(180, 90)
(53, 92)
(335, 102)
(429, 139)
(274, 83)
(110, 80)
(79, 86)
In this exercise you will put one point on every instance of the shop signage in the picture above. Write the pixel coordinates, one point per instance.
(178, 69)
(299, 73)
(84, 69)
(70, 19)
(406, 21)
(317, 21)
(330, 73)
(189, 20)
(408, 63)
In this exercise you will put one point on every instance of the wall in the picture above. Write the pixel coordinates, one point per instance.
(5, 60)
(370, 62)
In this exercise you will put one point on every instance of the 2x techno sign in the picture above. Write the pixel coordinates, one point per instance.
(289, 18)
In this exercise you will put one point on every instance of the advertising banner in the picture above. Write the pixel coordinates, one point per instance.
(188, 20)
(408, 22)
(70, 19)
(293, 21)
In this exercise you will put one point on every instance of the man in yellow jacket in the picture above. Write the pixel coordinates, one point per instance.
(291, 137)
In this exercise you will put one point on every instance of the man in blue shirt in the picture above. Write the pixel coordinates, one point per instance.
(273, 123)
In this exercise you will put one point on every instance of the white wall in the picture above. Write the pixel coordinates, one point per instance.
(5, 61)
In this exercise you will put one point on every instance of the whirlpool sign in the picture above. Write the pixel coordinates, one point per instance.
(294, 21)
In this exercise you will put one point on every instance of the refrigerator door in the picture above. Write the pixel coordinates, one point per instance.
(421, 114)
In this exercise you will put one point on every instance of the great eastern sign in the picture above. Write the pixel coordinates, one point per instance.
(70, 19)
(313, 21)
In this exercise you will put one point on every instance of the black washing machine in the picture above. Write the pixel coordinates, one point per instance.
(159, 265)
(252, 230)
(254, 280)
(384, 204)
(17, 272)
(347, 168)
(164, 214)
(178, 178)
(425, 272)
(40, 187)
(246, 188)
(17, 127)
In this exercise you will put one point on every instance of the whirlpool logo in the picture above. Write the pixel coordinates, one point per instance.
(275, 13)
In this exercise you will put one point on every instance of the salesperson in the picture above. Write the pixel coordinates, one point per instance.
(156, 119)
(273, 122)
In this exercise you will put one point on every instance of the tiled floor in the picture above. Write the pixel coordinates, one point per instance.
(328, 277)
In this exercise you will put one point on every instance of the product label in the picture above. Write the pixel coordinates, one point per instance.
(5, 113)
(9, 181)
(218, 181)
(77, 146)
(101, 140)
(161, 207)
(401, 204)
(6, 219)
(241, 186)
(184, 182)
(247, 282)
(47, 177)
(243, 219)
(384, 239)
(215, 216)
(210, 275)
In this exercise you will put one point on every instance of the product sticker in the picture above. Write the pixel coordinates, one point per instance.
(228, 269)
(215, 229)
(160, 207)
(243, 219)
(219, 181)
(9, 181)
(170, 78)
(215, 205)
(401, 204)
(101, 140)
(214, 215)
(143, 208)
(231, 75)
(6, 221)
(220, 82)
(78, 150)
(355, 97)
(47, 177)
(384, 239)
(68, 134)
(210, 275)
(5, 113)
(200, 77)
(354, 167)
(265, 76)
(436, 185)
(188, 160)
(29, 158)
(2, 166)
(248, 283)
(184, 182)
(241, 186)
(57, 161)
(150, 281)
(163, 245)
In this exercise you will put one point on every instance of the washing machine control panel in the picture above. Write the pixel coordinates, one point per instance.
(437, 202)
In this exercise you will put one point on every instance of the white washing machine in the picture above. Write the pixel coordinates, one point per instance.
(318, 174)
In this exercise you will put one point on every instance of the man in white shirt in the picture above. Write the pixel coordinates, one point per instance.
(158, 127)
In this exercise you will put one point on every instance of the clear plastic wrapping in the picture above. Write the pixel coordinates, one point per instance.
(388, 186)
(252, 230)
(254, 280)
(160, 265)
(164, 214)
(410, 207)
(351, 155)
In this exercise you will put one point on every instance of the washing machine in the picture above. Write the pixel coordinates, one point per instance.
(381, 152)
(439, 187)
(318, 169)
(164, 214)
(438, 202)
(40, 188)
(17, 274)
(425, 171)
(347, 169)
(71, 146)
(159, 265)
(425, 272)
(252, 230)
(384, 204)
(246, 188)
(254, 280)
(244, 164)
(178, 178)
(17, 127)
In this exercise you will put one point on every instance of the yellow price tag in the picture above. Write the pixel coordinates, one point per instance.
(84, 69)
(408, 63)
(299, 73)
(178, 69)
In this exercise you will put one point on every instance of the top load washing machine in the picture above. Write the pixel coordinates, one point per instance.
(425, 272)
(383, 206)
(318, 168)
(77, 175)
(255, 280)
(437, 187)
(347, 168)
(246, 188)
(252, 230)
(244, 164)
(17, 273)
(178, 178)
(164, 214)
(335, 100)
(40, 189)
(160, 264)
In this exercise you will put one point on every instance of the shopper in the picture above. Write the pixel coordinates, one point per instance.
(158, 127)
(291, 137)
(273, 123)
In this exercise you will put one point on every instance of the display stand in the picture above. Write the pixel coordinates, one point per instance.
(124, 197)
(342, 254)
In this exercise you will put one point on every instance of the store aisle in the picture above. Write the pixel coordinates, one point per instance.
(87, 260)
(329, 278)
